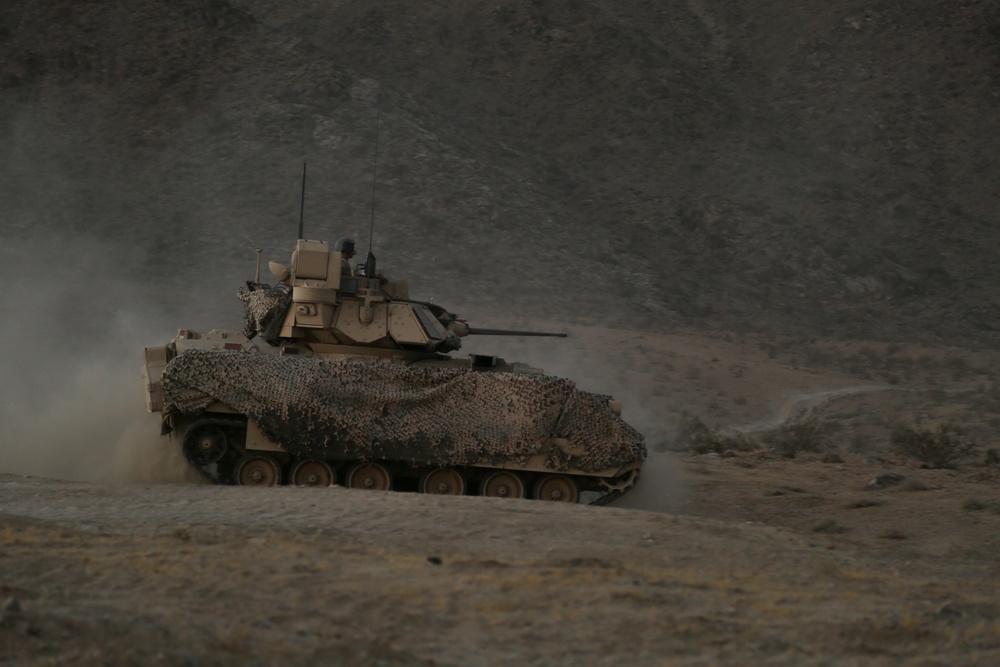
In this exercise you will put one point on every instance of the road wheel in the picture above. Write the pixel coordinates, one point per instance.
(502, 484)
(557, 488)
(257, 470)
(443, 482)
(372, 476)
(312, 472)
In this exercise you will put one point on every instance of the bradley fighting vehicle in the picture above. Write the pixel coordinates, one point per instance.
(340, 377)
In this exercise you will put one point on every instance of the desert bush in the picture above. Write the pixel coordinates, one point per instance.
(959, 367)
(859, 443)
(695, 436)
(829, 526)
(913, 485)
(802, 434)
(942, 447)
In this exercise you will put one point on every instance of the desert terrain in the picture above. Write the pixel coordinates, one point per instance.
(770, 230)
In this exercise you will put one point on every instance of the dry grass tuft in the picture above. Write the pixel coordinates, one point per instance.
(830, 527)
(892, 534)
(695, 436)
(913, 485)
(802, 434)
(943, 447)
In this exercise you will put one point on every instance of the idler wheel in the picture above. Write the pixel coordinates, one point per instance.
(204, 444)
(312, 472)
(557, 488)
(502, 484)
(257, 470)
(372, 476)
(443, 482)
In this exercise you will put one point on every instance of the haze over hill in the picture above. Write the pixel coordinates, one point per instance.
(711, 164)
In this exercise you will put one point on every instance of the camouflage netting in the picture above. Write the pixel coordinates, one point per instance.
(264, 310)
(441, 416)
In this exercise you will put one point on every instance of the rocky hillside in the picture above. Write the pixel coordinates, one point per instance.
(712, 164)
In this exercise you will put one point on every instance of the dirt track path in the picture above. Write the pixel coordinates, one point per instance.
(803, 403)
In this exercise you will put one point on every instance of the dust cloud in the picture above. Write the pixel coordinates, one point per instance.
(72, 401)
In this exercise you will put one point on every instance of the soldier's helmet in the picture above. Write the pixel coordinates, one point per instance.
(344, 244)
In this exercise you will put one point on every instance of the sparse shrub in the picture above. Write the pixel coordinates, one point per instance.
(816, 358)
(959, 367)
(943, 447)
(802, 434)
(829, 526)
(892, 534)
(859, 443)
(872, 359)
(695, 436)
(784, 491)
(913, 485)
(992, 457)
(973, 505)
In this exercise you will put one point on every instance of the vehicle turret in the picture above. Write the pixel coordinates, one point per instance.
(326, 307)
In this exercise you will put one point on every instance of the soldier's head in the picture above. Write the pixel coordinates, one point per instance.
(345, 247)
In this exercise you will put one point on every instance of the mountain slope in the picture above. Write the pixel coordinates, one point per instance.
(714, 164)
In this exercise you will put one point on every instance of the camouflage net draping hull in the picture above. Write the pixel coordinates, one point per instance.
(439, 416)
(264, 310)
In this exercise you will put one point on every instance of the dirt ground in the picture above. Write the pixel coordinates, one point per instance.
(752, 568)
(735, 558)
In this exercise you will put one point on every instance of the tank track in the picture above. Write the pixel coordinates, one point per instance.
(217, 467)
(607, 498)
(618, 491)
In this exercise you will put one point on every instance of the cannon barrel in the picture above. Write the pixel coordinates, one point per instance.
(473, 331)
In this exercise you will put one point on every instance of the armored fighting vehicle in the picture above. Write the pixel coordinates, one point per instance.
(340, 377)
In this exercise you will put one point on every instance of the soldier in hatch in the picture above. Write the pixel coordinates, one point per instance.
(345, 247)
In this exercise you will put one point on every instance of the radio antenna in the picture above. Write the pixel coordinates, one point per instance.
(370, 260)
(302, 204)
(371, 227)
